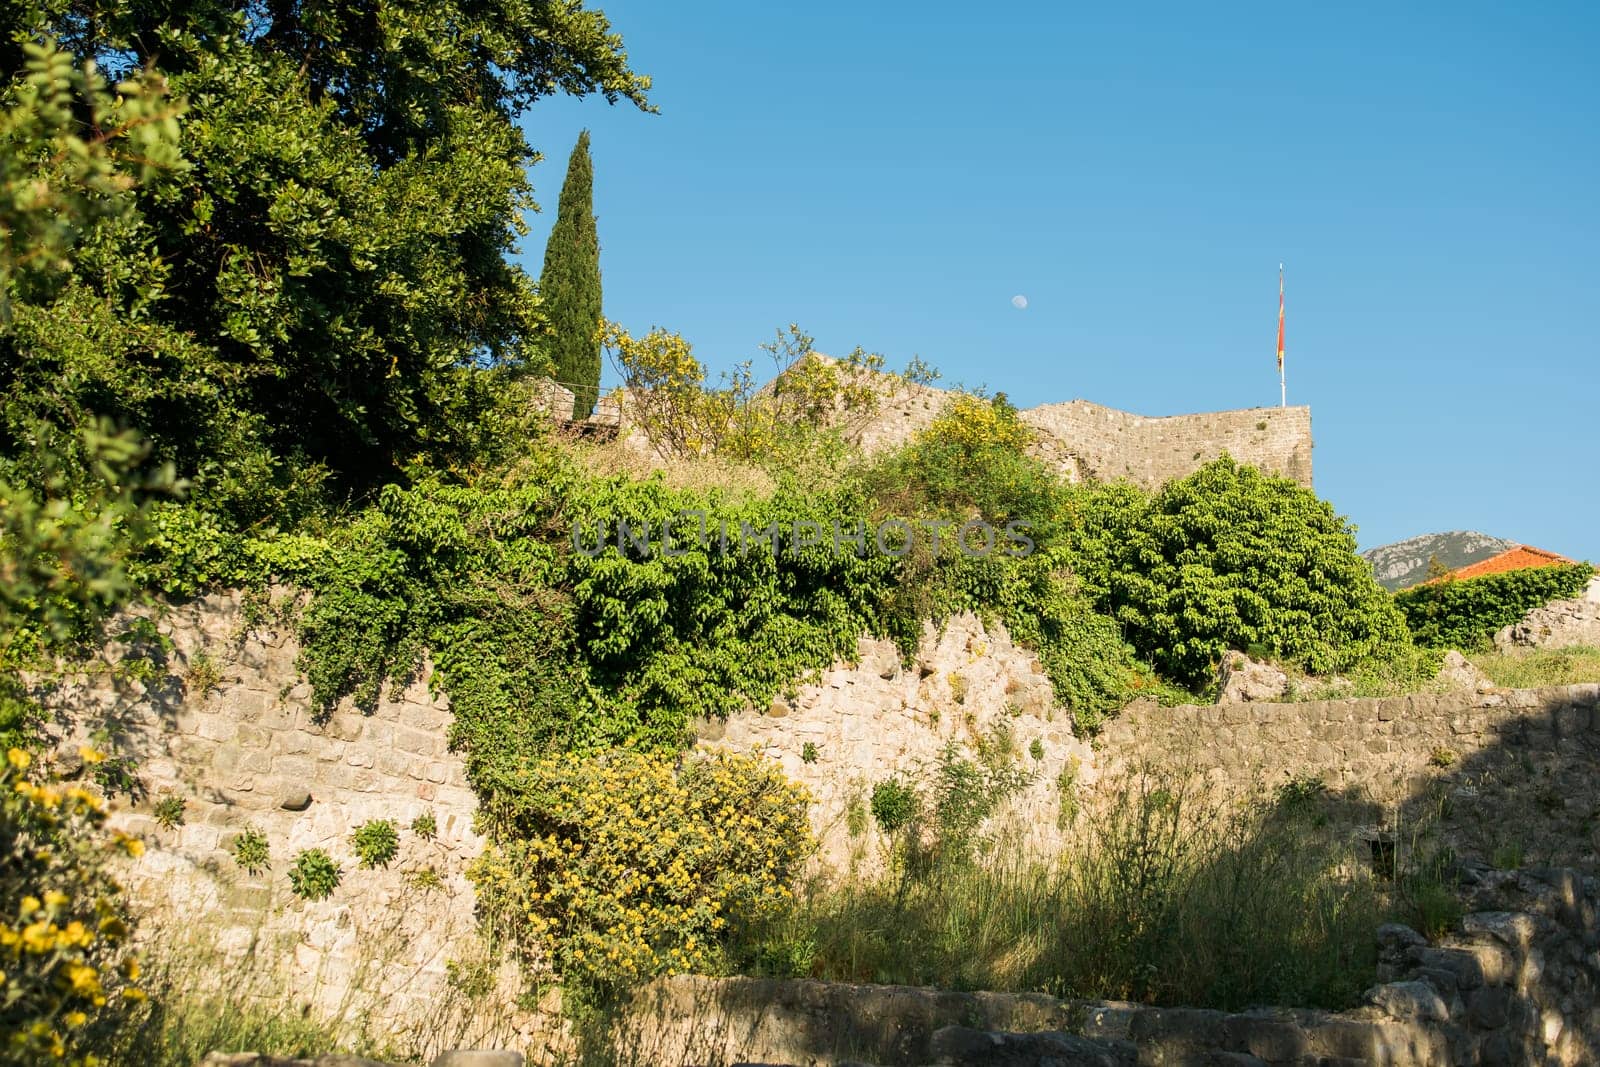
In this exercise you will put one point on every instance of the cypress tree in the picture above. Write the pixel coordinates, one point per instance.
(570, 284)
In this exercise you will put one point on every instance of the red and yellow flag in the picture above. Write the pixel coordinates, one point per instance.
(1280, 316)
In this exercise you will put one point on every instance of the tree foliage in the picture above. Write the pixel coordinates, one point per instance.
(318, 293)
(570, 284)
(1231, 558)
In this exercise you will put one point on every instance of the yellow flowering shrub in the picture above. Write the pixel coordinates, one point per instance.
(64, 975)
(684, 415)
(668, 394)
(605, 871)
(973, 423)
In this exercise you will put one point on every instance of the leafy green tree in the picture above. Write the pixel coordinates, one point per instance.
(325, 293)
(1231, 557)
(71, 503)
(570, 284)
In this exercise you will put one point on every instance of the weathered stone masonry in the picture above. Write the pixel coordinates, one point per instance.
(1517, 985)
(250, 752)
(1502, 771)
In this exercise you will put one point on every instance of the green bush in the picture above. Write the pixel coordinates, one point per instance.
(425, 826)
(612, 869)
(1231, 558)
(375, 842)
(314, 875)
(970, 460)
(1466, 613)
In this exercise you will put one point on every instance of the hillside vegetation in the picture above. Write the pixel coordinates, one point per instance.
(260, 328)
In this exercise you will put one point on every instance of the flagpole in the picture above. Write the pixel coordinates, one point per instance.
(1283, 382)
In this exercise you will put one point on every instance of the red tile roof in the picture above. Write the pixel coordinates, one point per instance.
(1513, 559)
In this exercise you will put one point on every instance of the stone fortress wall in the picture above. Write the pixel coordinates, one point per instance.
(229, 728)
(240, 744)
(1084, 440)
(1106, 444)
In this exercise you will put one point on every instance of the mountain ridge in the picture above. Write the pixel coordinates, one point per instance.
(1402, 564)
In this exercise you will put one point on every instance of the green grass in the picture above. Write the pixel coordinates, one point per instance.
(1166, 896)
(1410, 670)
(1415, 671)
(200, 1001)
(1541, 667)
(180, 1030)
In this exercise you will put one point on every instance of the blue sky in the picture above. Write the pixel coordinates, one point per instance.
(891, 175)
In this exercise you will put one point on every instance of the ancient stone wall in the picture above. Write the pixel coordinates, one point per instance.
(858, 725)
(1509, 772)
(226, 724)
(1108, 444)
(228, 727)
(1091, 442)
(1559, 624)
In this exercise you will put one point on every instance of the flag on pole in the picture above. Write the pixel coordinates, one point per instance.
(1280, 317)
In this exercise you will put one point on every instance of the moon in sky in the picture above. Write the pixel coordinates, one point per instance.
(1019, 302)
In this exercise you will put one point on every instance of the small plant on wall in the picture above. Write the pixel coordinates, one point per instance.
(251, 852)
(809, 752)
(375, 843)
(425, 826)
(314, 875)
(894, 805)
(168, 811)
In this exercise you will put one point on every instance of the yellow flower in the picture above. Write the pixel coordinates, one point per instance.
(18, 758)
(85, 980)
(55, 899)
(90, 755)
(39, 938)
(30, 905)
(74, 1019)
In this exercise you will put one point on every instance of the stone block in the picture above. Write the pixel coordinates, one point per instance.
(416, 742)
(216, 728)
(1489, 1008)
(1464, 965)
(1269, 1035)
(1512, 929)
(301, 768)
(477, 1058)
(345, 725)
(246, 704)
(1410, 1000)
(427, 717)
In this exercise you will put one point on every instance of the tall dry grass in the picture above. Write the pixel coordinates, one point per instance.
(1165, 894)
